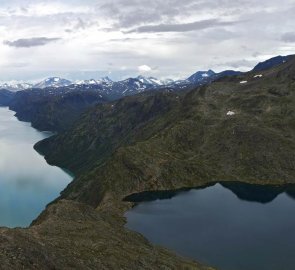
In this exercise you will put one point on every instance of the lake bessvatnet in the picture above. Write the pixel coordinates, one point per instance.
(229, 226)
(27, 182)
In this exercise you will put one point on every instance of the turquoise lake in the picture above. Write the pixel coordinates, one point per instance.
(27, 182)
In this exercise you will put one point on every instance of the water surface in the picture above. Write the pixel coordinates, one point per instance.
(27, 182)
(232, 226)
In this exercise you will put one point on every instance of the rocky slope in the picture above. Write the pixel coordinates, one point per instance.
(69, 235)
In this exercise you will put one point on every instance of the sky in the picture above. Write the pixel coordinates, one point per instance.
(83, 39)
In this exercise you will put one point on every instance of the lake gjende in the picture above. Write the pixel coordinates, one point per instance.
(27, 182)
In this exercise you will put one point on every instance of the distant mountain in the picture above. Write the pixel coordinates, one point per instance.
(104, 80)
(118, 89)
(151, 81)
(272, 62)
(131, 86)
(115, 90)
(201, 76)
(205, 77)
(168, 81)
(15, 86)
(85, 82)
(53, 82)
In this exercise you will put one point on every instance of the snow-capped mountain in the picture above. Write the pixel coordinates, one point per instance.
(118, 89)
(53, 82)
(154, 81)
(15, 86)
(85, 82)
(104, 80)
(168, 81)
(150, 80)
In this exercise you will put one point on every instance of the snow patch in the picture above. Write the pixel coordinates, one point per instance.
(243, 82)
(230, 113)
(258, 76)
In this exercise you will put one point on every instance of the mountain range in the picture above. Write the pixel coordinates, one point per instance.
(131, 86)
(57, 107)
(123, 87)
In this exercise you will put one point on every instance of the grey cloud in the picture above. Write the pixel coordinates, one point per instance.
(81, 24)
(289, 37)
(239, 63)
(30, 42)
(132, 13)
(218, 34)
(185, 27)
(243, 29)
(135, 13)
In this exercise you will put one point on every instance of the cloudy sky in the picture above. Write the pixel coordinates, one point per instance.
(163, 38)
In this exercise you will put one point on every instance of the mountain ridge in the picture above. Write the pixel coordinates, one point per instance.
(131, 86)
(157, 152)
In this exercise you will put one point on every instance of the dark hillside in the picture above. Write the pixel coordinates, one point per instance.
(54, 112)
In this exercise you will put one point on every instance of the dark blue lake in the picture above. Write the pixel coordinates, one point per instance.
(27, 182)
(230, 226)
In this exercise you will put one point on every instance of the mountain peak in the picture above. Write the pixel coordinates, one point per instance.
(150, 80)
(200, 76)
(106, 79)
(53, 82)
(15, 86)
